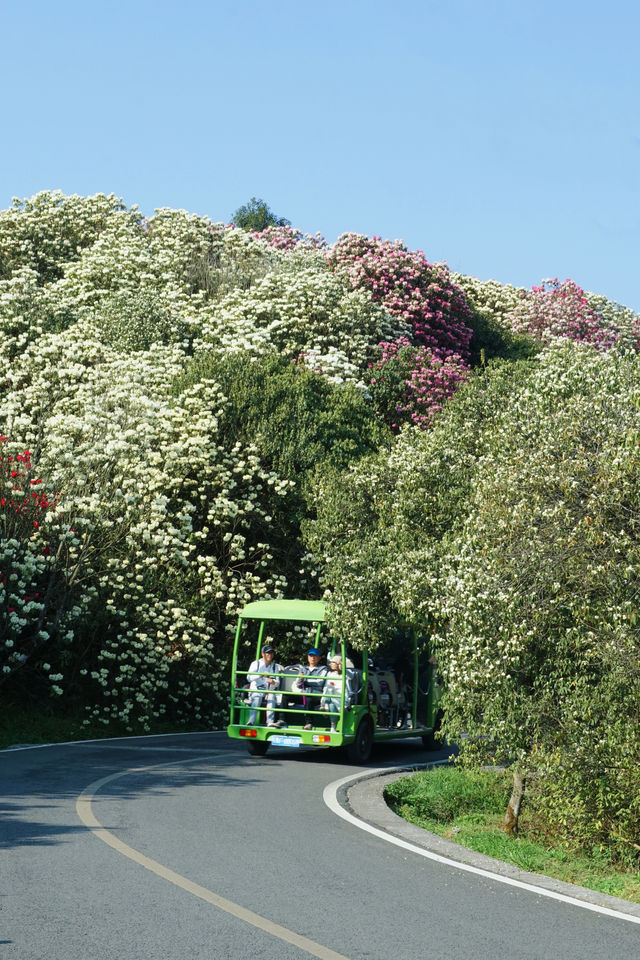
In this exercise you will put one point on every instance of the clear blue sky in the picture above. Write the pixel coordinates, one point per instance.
(502, 136)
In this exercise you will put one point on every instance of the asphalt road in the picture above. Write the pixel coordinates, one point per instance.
(185, 847)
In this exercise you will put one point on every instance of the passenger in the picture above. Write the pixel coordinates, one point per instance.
(261, 687)
(332, 690)
(311, 680)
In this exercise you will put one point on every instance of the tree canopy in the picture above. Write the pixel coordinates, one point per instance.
(256, 215)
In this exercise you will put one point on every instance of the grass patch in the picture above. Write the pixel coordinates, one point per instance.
(22, 725)
(468, 807)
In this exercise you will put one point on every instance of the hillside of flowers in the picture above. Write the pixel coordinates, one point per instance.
(177, 397)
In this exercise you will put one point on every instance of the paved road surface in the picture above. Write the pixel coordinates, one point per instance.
(199, 851)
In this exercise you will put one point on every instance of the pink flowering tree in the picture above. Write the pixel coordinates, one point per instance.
(420, 371)
(557, 309)
(411, 384)
(421, 293)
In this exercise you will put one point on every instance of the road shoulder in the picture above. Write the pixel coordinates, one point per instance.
(364, 798)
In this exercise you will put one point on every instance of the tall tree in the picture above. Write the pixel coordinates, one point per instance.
(256, 215)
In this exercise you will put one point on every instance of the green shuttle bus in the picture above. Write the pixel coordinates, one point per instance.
(391, 695)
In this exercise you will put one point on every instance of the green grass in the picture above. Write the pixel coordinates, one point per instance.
(20, 725)
(468, 808)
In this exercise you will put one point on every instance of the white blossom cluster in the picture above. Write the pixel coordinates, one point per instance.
(490, 297)
(306, 313)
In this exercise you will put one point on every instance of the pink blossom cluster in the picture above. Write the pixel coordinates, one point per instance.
(428, 381)
(561, 310)
(421, 293)
(288, 238)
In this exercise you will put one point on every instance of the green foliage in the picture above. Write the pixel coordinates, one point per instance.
(384, 523)
(492, 341)
(296, 418)
(256, 216)
(446, 794)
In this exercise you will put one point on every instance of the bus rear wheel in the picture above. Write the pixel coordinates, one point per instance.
(360, 750)
(258, 748)
(434, 740)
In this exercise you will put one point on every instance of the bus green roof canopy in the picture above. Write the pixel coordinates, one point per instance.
(310, 611)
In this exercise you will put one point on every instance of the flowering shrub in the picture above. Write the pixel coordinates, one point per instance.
(288, 238)
(422, 294)
(561, 310)
(489, 297)
(21, 497)
(306, 312)
(618, 320)
(49, 230)
(411, 384)
(21, 310)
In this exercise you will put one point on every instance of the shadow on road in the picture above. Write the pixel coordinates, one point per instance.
(40, 788)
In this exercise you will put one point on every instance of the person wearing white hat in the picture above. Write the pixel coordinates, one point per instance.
(332, 690)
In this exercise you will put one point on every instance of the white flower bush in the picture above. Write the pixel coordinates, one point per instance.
(174, 526)
(306, 313)
(489, 297)
(162, 529)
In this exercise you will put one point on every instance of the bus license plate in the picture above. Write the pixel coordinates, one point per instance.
(283, 741)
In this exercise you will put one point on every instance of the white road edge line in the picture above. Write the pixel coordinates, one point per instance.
(126, 739)
(85, 812)
(330, 797)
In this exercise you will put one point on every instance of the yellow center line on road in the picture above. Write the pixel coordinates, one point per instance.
(88, 818)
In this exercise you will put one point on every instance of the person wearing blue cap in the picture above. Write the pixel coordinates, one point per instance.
(311, 680)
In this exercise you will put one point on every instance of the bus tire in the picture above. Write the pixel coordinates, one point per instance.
(258, 748)
(360, 750)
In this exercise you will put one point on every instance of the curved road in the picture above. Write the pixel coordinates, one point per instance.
(185, 847)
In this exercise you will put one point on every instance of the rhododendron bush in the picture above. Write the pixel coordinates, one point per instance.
(422, 294)
(40, 557)
(411, 384)
(557, 309)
